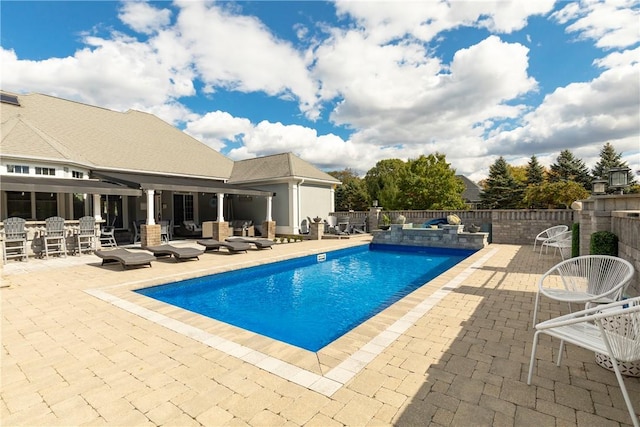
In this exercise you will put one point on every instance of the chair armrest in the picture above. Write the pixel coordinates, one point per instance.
(593, 313)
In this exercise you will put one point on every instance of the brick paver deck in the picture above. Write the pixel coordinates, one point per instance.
(79, 348)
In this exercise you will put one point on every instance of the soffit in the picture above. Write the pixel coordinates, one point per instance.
(62, 185)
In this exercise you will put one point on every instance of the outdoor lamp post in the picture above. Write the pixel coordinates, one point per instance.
(619, 178)
(599, 186)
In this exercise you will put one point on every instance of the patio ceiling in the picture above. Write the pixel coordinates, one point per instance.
(176, 183)
(64, 185)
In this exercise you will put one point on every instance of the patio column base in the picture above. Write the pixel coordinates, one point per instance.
(150, 235)
(316, 230)
(216, 230)
(269, 229)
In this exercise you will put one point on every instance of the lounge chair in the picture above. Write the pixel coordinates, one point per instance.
(179, 254)
(125, 257)
(259, 243)
(547, 234)
(232, 247)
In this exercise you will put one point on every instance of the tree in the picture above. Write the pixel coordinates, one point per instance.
(429, 182)
(552, 195)
(519, 173)
(352, 194)
(535, 171)
(502, 191)
(569, 168)
(382, 182)
(609, 158)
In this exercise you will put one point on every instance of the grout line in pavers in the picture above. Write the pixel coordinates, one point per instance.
(335, 378)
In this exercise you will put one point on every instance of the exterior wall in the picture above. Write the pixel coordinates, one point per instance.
(503, 226)
(314, 201)
(626, 225)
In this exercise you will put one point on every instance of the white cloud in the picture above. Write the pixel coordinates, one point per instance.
(424, 20)
(144, 18)
(239, 53)
(217, 127)
(611, 23)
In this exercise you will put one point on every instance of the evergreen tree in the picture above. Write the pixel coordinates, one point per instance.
(502, 191)
(609, 158)
(569, 168)
(535, 172)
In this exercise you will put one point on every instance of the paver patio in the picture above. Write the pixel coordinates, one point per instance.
(79, 348)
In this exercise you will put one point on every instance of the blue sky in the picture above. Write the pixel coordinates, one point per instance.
(346, 84)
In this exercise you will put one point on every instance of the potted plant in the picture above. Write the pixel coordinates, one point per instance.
(385, 222)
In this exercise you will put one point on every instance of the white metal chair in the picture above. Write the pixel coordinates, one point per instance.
(587, 279)
(549, 232)
(86, 237)
(164, 231)
(304, 227)
(14, 239)
(108, 235)
(55, 239)
(560, 242)
(612, 329)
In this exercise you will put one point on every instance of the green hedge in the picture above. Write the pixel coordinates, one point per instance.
(575, 240)
(603, 243)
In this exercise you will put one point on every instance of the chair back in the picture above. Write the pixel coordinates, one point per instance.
(87, 226)
(621, 330)
(14, 228)
(54, 226)
(556, 230)
(332, 221)
(596, 274)
(304, 227)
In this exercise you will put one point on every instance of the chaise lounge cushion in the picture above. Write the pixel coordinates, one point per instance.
(125, 257)
(232, 247)
(259, 243)
(178, 253)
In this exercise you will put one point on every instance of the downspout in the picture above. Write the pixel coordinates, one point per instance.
(297, 225)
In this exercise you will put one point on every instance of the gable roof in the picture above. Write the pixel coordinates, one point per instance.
(276, 168)
(44, 127)
(471, 191)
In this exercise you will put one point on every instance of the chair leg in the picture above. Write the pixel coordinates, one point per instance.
(533, 356)
(560, 351)
(535, 308)
(625, 394)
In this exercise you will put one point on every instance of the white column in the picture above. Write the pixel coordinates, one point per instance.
(220, 207)
(150, 211)
(269, 207)
(96, 207)
(332, 199)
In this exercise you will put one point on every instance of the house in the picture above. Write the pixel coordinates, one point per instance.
(471, 193)
(66, 158)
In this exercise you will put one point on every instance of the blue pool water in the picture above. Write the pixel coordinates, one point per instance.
(306, 302)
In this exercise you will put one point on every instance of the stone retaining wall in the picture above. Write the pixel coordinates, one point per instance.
(447, 236)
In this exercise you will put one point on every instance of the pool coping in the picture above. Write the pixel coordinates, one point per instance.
(325, 371)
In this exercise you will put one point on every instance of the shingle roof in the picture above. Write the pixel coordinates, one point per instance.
(472, 190)
(277, 166)
(50, 128)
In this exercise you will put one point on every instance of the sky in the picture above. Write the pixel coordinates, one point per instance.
(346, 84)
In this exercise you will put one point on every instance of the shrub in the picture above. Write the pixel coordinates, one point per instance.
(603, 243)
(575, 240)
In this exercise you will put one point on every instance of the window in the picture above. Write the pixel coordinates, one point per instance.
(9, 99)
(17, 169)
(45, 171)
(46, 205)
(19, 204)
(77, 174)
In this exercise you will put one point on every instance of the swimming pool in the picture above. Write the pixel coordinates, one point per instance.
(310, 301)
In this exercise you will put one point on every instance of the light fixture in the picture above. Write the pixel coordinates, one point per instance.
(619, 178)
(375, 203)
(599, 186)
